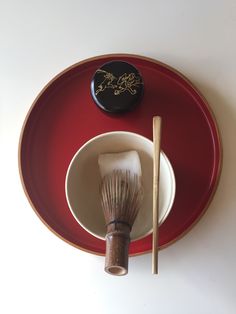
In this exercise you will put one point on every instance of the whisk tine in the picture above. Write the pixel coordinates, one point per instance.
(121, 196)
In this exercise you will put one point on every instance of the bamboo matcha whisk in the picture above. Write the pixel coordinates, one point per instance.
(121, 195)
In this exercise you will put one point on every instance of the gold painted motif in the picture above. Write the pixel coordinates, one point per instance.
(126, 82)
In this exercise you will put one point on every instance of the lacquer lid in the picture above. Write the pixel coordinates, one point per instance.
(117, 86)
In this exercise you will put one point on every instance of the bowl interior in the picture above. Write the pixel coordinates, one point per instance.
(83, 181)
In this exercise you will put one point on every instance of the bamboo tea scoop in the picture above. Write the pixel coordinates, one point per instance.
(156, 175)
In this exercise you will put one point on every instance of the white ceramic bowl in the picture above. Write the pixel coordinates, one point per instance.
(83, 181)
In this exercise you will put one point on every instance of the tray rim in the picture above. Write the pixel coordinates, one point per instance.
(140, 57)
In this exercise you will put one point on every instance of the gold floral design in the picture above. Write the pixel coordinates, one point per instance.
(126, 82)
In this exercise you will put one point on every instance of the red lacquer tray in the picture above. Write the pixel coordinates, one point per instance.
(63, 117)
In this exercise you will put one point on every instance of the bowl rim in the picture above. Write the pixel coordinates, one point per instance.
(170, 168)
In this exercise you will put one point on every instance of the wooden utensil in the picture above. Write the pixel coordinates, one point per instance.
(121, 193)
(157, 123)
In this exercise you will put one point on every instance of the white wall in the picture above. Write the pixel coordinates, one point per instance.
(39, 273)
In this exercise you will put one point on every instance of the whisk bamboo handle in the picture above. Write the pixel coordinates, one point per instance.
(117, 249)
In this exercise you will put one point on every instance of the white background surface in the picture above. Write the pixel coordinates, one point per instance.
(39, 273)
